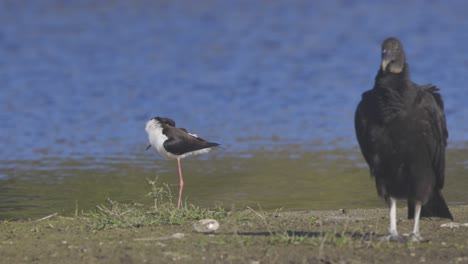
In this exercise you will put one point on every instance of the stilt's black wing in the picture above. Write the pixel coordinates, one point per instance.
(180, 141)
(180, 146)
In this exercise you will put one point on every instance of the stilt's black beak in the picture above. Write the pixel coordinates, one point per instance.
(149, 146)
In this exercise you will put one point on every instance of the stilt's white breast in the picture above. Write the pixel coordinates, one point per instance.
(157, 138)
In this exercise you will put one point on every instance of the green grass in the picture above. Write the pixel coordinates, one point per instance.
(121, 215)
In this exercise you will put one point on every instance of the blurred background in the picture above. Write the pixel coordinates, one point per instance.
(275, 82)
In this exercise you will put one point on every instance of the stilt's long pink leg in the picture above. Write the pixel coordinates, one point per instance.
(181, 184)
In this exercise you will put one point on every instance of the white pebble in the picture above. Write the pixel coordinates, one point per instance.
(206, 225)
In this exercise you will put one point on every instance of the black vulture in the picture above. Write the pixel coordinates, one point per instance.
(402, 133)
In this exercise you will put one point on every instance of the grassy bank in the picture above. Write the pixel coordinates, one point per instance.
(131, 233)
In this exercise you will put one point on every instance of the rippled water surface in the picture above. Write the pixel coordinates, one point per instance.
(275, 82)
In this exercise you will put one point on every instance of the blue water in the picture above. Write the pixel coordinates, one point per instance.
(79, 79)
(82, 78)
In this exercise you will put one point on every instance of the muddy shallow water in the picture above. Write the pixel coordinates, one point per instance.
(294, 181)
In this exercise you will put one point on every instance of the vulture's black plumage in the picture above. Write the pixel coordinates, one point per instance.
(402, 132)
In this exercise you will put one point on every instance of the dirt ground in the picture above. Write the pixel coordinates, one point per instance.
(248, 236)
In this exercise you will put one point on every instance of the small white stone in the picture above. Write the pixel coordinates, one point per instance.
(178, 235)
(206, 225)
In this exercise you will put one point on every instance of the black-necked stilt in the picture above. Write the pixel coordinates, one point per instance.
(175, 143)
(402, 132)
